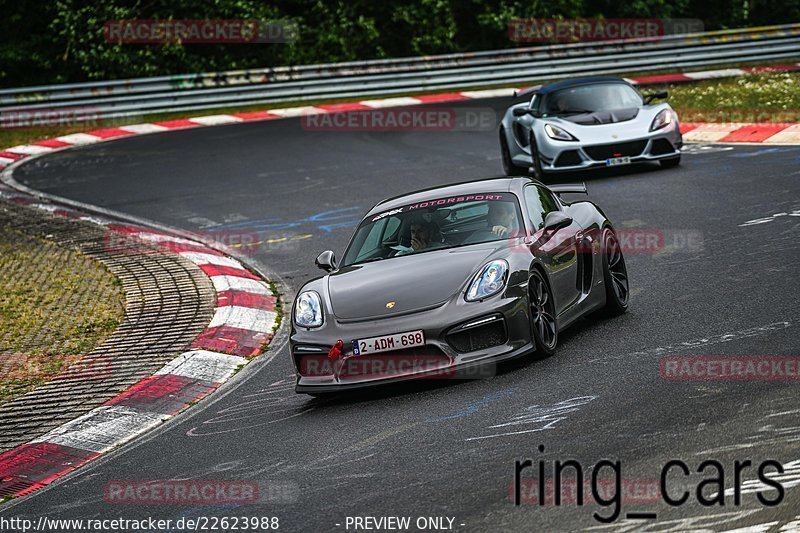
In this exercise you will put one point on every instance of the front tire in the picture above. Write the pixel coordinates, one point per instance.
(541, 305)
(615, 277)
(536, 162)
(508, 164)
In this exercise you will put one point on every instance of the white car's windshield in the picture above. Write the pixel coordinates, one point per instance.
(436, 224)
(591, 98)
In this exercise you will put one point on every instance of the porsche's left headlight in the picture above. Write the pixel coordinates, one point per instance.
(662, 120)
(559, 134)
(488, 281)
(308, 310)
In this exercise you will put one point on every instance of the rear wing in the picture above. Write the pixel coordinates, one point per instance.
(526, 93)
(574, 188)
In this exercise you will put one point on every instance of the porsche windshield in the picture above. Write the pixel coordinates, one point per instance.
(434, 225)
(591, 98)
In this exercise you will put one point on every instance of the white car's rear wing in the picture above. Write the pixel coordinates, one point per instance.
(526, 92)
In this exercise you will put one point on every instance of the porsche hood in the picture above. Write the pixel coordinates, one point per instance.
(404, 284)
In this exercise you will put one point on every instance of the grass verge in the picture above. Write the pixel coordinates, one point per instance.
(56, 305)
(758, 98)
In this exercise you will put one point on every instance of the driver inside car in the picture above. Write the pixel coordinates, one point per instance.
(422, 236)
(502, 219)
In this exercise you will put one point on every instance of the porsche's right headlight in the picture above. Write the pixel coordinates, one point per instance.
(308, 310)
(489, 280)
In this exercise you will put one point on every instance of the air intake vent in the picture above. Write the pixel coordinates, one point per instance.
(661, 147)
(479, 337)
(601, 152)
(569, 158)
(522, 134)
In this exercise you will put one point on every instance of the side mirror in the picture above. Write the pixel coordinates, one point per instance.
(326, 261)
(521, 111)
(556, 220)
(662, 94)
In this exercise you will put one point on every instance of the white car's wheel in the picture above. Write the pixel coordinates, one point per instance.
(536, 163)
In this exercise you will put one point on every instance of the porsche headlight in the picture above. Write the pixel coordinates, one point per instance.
(489, 280)
(559, 134)
(662, 120)
(308, 310)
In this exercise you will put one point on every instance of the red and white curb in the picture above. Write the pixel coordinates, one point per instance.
(759, 133)
(245, 312)
(242, 325)
(779, 133)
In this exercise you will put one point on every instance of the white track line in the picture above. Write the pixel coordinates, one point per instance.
(199, 258)
(79, 138)
(235, 283)
(103, 428)
(234, 316)
(204, 365)
(143, 128)
(213, 120)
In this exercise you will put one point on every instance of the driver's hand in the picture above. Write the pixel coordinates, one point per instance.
(418, 244)
(500, 231)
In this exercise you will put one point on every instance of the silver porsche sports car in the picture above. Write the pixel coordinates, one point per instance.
(586, 123)
(446, 280)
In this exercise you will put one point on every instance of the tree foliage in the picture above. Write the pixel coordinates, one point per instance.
(57, 41)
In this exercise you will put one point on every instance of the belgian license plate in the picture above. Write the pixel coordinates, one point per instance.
(387, 343)
(616, 161)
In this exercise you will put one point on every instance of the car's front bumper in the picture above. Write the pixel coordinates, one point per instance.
(560, 156)
(438, 359)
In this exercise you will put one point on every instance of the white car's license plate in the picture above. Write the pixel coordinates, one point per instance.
(387, 343)
(615, 161)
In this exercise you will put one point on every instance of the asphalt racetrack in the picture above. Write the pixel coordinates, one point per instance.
(723, 282)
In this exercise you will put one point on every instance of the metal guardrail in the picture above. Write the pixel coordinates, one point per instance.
(366, 79)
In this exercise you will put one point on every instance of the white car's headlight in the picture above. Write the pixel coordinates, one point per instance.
(488, 281)
(559, 134)
(308, 310)
(662, 120)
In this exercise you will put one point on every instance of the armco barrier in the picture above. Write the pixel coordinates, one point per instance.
(367, 79)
